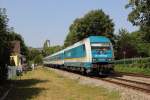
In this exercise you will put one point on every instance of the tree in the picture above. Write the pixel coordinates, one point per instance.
(35, 56)
(3, 21)
(4, 50)
(38, 59)
(125, 45)
(132, 44)
(141, 45)
(140, 16)
(33, 53)
(140, 12)
(50, 50)
(6, 36)
(95, 22)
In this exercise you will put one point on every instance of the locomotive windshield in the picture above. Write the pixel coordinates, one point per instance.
(101, 46)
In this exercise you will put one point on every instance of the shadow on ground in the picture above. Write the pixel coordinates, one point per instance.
(24, 89)
(4, 86)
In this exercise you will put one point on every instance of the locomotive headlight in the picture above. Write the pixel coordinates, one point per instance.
(109, 59)
(93, 59)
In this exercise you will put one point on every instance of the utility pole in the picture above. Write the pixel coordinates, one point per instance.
(48, 43)
(124, 56)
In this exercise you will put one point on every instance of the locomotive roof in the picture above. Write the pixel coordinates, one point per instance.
(99, 39)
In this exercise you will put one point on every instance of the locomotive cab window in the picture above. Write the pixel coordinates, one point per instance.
(101, 46)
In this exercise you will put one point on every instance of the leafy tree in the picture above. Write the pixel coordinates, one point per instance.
(3, 21)
(50, 50)
(95, 22)
(140, 16)
(145, 30)
(7, 35)
(125, 45)
(142, 46)
(35, 56)
(33, 53)
(132, 44)
(4, 50)
(38, 59)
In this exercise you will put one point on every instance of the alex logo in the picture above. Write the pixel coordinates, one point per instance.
(102, 55)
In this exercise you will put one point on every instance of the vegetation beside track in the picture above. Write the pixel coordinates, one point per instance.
(130, 68)
(133, 65)
(42, 84)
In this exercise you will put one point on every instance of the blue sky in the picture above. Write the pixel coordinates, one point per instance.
(38, 20)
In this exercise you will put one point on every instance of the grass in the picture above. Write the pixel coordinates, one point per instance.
(42, 84)
(132, 69)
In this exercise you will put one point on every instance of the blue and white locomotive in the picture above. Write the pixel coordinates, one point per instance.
(92, 54)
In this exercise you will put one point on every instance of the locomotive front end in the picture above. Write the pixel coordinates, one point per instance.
(102, 54)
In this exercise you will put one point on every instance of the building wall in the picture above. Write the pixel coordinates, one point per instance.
(16, 59)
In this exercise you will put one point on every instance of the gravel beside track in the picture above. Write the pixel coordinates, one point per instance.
(126, 93)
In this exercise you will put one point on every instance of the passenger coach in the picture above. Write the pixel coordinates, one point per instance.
(92, 54)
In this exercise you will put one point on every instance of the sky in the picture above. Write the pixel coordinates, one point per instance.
(38, 20)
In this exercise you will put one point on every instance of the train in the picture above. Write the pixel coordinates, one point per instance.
(93, 54)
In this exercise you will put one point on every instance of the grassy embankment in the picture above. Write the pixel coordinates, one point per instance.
(132, 69)
(42, 84)
(133, 65)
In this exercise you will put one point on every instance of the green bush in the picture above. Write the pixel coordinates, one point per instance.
(133, 68)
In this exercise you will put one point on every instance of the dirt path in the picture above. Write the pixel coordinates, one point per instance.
(42, 84)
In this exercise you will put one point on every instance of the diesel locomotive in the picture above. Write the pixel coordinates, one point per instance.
(90, 55)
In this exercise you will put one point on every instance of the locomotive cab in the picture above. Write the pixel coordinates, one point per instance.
(101, 55)
(101, 52)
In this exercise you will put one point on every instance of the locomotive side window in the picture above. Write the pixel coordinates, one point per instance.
(76, 52)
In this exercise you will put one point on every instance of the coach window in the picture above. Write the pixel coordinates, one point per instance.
(84, 50)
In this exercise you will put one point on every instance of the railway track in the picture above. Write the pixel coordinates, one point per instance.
(132, 74)
(136, 85)
(140, 86)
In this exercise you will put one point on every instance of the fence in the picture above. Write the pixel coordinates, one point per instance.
(132, 60)
(139, 62)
